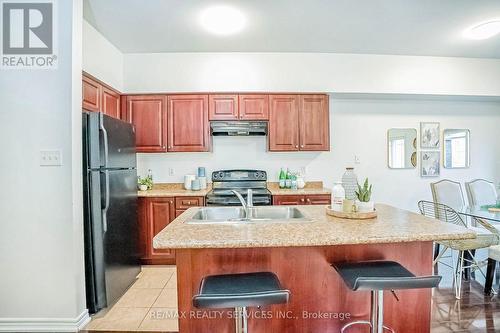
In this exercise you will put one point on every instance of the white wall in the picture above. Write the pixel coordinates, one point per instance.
(358, 127)
(41, 242)
(101, 58)
(305, 72)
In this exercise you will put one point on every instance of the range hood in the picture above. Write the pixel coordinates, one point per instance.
(238, 128)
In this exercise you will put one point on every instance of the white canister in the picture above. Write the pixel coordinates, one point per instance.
(187, 181)
(203, 182)
(338, 197)
(301, 183)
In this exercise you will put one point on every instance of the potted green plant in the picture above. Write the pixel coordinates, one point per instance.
(364, 194)
(144, 183)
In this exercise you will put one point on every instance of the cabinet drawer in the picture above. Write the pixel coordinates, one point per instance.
(318, 199)
(288, 200)
(183, 203)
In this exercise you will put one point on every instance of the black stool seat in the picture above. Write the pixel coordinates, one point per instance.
(240, 290)
(382, 275)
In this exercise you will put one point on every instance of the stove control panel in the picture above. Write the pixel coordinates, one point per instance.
(239, 175)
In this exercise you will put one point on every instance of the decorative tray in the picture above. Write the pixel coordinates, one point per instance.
(352, 216)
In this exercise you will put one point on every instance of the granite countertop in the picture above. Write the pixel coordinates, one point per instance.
(310, 188)
(392, 225)
(177, 190)
(172, 190)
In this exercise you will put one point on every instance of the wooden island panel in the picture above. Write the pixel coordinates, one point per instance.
(315, 286)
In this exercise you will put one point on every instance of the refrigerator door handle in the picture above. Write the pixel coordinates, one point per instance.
(106, 202)
(105, 140)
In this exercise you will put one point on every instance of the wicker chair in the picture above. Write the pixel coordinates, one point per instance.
(466, 246)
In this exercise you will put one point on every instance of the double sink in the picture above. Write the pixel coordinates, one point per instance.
(228, 215)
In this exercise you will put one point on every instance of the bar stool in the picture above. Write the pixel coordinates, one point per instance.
(240, 291)
(378, 276)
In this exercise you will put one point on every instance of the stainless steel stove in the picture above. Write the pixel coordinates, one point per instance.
(224, 181)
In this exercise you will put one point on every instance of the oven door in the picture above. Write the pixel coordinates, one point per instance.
(233, 200)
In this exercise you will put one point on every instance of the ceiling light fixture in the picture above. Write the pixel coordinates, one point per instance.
(222, 20)
(483, 30)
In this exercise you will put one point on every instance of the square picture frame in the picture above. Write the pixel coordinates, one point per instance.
(430, 163)
(430, 135)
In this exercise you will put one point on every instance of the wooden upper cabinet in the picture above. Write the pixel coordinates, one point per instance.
(188, 126)
(314, 129)
(223, 107)
(148, 114)
(283, 123)
(91, 94)
(99, 97)
(110, 103)
(254, 107)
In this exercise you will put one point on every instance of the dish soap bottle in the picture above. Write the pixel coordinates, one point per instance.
(338, 197)
(150, 177)
(288, 179)
(282, 178)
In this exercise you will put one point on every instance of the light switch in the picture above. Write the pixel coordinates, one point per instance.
(357, 159)
(50, 158)
(171, 171)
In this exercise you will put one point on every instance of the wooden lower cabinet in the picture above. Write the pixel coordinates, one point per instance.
(155, 213)
(311, 199)
(318, 199)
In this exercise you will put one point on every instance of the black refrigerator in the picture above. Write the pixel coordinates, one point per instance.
(110, 209)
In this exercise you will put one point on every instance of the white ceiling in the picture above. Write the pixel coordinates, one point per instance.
(409, 27)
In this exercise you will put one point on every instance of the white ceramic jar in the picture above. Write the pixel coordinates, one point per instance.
(188, 180)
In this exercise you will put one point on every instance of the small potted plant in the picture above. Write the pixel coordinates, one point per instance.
(144, 183)
(364, 203)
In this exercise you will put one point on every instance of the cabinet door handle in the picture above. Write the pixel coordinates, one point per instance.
(302, 200)
(296, 146)
(308, 200)
(169, 147)
(189, 202)
(301, 146)
(163, 147)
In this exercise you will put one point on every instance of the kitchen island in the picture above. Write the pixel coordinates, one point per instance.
(300, 254)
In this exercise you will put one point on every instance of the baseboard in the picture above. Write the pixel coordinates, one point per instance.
(44, 324)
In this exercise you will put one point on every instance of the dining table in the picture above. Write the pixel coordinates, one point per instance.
(493, 218)
(482, 212)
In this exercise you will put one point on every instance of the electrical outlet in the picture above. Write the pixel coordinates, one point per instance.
(303, 170)
(357, 159)
(171, 171)
(50, 158)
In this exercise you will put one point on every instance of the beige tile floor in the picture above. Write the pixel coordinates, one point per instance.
(149, 305)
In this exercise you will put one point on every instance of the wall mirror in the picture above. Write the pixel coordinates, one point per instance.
(402, 148)
(456, 148)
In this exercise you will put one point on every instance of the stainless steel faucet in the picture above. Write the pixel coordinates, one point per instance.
(248, 205)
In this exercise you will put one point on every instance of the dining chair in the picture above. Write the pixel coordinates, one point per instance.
(447, 192)
(486, 239)
(481, 192)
